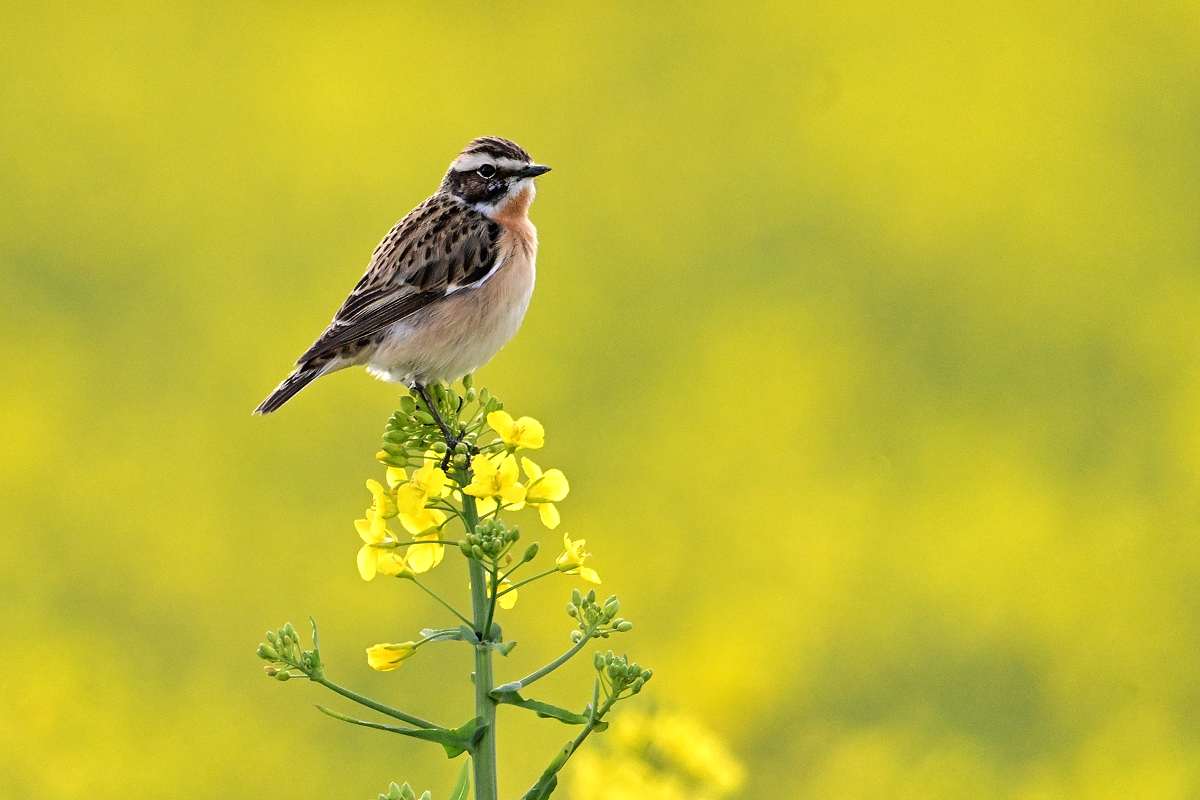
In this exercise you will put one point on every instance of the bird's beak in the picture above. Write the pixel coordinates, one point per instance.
(533, 170)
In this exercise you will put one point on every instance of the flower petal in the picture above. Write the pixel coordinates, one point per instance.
(529, 433)
(548, 514)
(532, 470)
(366, 562)
(424, 557)
(396, 476)
(502, 423)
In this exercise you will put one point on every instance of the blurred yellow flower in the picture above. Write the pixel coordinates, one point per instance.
(544, 490)
(497, 477)
(507, 599)
(372, 557)
(681, 744)
(387, 657)
(524, 432)
(657, 757)
(572, 558)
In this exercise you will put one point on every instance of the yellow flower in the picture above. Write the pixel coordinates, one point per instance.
(387, 657)
(395, 477)
(544, 490)
(496, 477)
(375, 556)
(424, 521)
(572, 558)
(524, 432)
(382, 504)
(427, 483)
(424, 557)
(485, 506)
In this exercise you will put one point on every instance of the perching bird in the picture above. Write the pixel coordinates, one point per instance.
(446, 288)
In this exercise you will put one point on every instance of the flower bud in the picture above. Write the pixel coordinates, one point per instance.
(271, 670)
(598, 660)
(576, 637)
(530, 552)
(572, 611)
(637, 685)
(423, 416)
(266, 652)
(624, 626)
(283, 676)
(477, 552)
(438, 447)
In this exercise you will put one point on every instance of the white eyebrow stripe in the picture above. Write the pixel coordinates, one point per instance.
(473, 161)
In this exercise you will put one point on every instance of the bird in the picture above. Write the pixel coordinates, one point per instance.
(447, 287)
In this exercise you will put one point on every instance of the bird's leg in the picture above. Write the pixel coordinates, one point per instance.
(451, 439)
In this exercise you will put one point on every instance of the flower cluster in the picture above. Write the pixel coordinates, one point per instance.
(457, 474)
(596, 620)
(285, 658)
(460, 457)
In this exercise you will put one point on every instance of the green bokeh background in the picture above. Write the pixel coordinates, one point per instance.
(866, 335)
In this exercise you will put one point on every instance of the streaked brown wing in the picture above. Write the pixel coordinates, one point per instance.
(438, 248)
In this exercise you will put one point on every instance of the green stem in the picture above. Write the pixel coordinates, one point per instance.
(435, 596)
(547, 780)
(519, 584)
(483, 758)
(493, 578)
(537, 675)
(374, 706)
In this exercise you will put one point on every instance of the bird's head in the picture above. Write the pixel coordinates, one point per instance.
(492, 172)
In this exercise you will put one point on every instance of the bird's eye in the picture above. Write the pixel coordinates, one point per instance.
(486, 171)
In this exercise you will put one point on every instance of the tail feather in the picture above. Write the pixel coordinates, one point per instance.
(291, 384)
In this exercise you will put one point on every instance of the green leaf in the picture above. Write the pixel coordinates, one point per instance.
(462, 787)
(454, 742)
(503, 648)
(545, 710)
(543, 788)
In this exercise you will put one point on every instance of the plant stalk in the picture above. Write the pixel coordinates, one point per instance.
(483, 759)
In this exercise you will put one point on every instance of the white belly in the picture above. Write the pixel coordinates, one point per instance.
(461, 333)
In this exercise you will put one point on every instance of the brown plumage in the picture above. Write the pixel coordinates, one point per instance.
(447, 286)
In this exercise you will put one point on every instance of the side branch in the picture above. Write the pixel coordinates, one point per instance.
(536, 675)
(394, 713)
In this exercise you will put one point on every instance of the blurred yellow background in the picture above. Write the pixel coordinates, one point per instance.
(866, 335)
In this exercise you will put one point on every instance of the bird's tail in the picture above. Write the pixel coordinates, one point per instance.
(293, 383)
